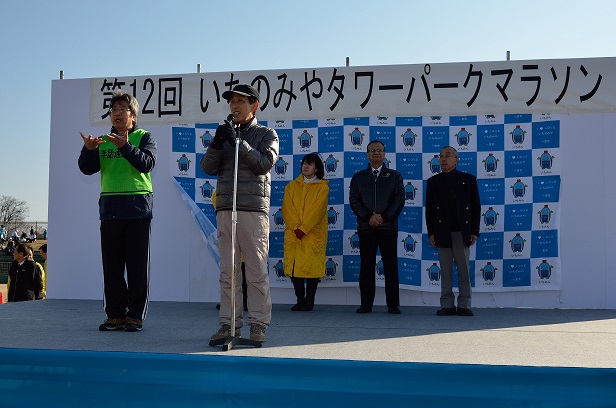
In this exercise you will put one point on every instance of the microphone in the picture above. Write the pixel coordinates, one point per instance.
(229, 121)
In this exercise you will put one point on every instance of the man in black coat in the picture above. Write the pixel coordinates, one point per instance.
(453, 211)
(25, 280)
(377, 198)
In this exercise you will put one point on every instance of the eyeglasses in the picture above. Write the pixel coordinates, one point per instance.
(118, 110)
(376, 150)
(447, 156)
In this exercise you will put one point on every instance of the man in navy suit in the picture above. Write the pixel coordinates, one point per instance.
(453, 211)
(376, 195)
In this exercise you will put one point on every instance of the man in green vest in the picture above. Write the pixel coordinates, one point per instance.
(125, 157)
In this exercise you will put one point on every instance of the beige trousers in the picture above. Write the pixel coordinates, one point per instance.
(252, 243)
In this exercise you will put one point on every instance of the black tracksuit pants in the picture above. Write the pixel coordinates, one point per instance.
(125, 246)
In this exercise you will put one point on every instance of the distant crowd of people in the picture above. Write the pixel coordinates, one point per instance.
(20, 237)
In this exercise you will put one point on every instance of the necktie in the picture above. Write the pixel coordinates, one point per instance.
(376, 174)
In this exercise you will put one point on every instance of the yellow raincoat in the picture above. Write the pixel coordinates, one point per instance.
(304, 206)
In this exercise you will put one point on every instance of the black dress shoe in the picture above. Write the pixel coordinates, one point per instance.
(462, 311)
(393, 310)
(446, 311)
(364, 309)
(299, 305)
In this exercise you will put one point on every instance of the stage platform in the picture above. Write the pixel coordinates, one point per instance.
(328, 357)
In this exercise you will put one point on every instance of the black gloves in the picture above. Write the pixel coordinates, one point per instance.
(223, 133)
(218, 140)
(231, 137)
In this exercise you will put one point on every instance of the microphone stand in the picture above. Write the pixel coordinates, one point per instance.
(229, 342)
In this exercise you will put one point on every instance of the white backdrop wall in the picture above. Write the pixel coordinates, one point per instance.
(182, 268)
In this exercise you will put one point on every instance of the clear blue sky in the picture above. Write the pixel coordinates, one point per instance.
(134, 37)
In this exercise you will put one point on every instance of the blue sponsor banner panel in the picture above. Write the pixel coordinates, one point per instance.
(514, 156)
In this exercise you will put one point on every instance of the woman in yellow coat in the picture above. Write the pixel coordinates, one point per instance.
(304, 210)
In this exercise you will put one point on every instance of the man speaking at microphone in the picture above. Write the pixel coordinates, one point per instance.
(258, 148)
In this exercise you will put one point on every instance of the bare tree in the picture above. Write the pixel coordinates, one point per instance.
(12, 210)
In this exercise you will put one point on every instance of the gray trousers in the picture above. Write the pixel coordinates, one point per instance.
(251, 242)
(460, 254)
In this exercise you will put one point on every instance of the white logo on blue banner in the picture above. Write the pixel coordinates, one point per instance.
(515, 158)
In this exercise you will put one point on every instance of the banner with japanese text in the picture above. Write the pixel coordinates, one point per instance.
(478, 88)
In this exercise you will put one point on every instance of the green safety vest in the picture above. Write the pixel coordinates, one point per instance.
(118, 176)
